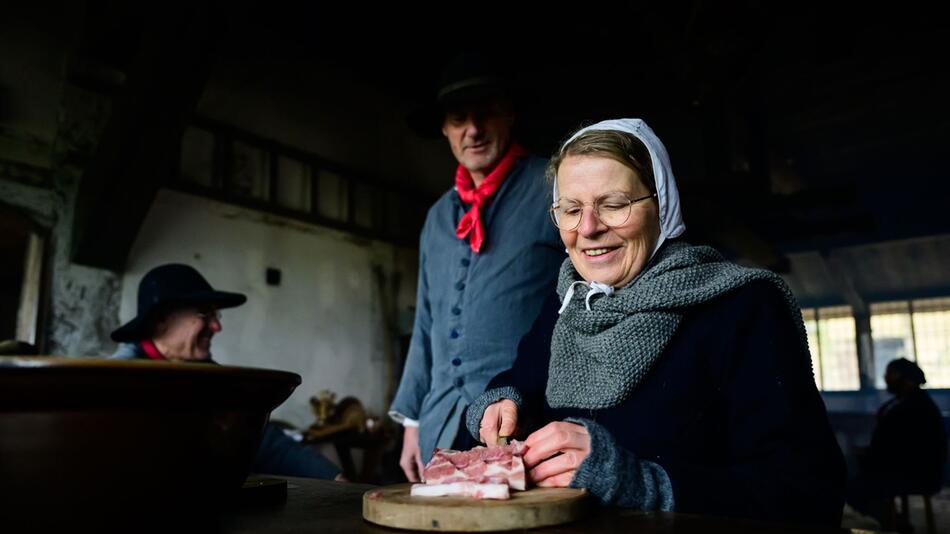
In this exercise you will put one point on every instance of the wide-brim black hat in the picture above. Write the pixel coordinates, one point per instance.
(468, 79)
(172, 285)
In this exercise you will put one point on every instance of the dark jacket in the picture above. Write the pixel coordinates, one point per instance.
(730, 411)
(909, 445)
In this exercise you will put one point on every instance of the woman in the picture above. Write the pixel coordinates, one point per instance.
(678, 381)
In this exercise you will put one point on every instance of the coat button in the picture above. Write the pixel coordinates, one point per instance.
(454, 334)
(460, 285)
(465, 262)
(459, 382)
(456, 311)
(457, 362)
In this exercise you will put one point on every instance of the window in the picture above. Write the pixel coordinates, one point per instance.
(918, 330)
(332, 196)
(931, 320)
(250, 172)
(220, 161)
(197, 157)
(365, 208)
(893, 336)
(293, 184)
(834, 353)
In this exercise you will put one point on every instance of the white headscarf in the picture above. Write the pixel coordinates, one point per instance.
(668, 197)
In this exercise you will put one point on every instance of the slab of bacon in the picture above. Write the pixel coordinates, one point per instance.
(483, 473)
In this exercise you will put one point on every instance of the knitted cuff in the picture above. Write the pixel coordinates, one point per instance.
(476, 410)
(617, 478)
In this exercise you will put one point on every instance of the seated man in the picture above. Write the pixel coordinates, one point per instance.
(177, 318)
(908, 447)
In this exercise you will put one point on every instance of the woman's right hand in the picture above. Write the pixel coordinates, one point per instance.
(499, 419)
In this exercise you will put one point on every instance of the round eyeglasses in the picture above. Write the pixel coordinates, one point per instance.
(612, 209)
(209, 315)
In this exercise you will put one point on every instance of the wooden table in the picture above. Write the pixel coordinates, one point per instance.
(322, 506)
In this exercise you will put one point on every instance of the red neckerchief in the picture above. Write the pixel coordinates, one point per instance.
(471, 224)
(151, 350)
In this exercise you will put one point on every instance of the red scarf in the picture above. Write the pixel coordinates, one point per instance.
(471, 224)
(151, 350)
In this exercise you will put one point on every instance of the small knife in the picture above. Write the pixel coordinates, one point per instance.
(501, 441)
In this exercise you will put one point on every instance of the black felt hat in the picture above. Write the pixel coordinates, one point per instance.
(173, 284)
(468, 79)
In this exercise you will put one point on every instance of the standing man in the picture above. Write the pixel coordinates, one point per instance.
(488, 258)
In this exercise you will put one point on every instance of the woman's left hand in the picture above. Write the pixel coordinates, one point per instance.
(555, 452)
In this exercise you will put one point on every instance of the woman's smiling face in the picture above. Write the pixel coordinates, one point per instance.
(610, 255)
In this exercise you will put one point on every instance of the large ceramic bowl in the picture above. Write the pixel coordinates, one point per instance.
(122, 435)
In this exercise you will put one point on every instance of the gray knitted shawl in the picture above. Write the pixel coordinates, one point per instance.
(599, 357)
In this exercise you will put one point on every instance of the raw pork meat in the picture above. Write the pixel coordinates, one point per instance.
(458, 471)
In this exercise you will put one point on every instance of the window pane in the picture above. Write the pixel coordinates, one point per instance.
(395, 214)
(250, 171)
(332, 198)
(293, 184)
(893, 338)
(197, 157)
(932, 330)
(811, 329)
(838, 349)
(364, 205)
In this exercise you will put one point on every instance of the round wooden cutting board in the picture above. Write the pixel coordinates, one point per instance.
(537, 507)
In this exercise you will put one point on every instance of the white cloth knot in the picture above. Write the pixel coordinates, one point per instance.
(594, 289)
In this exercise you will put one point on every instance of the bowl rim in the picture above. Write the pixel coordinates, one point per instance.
(58, 363)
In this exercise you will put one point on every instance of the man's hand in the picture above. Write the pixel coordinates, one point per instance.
(555, 452)
(499, 419)
(411, 459)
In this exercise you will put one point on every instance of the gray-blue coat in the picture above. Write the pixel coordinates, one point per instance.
(472, 309)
